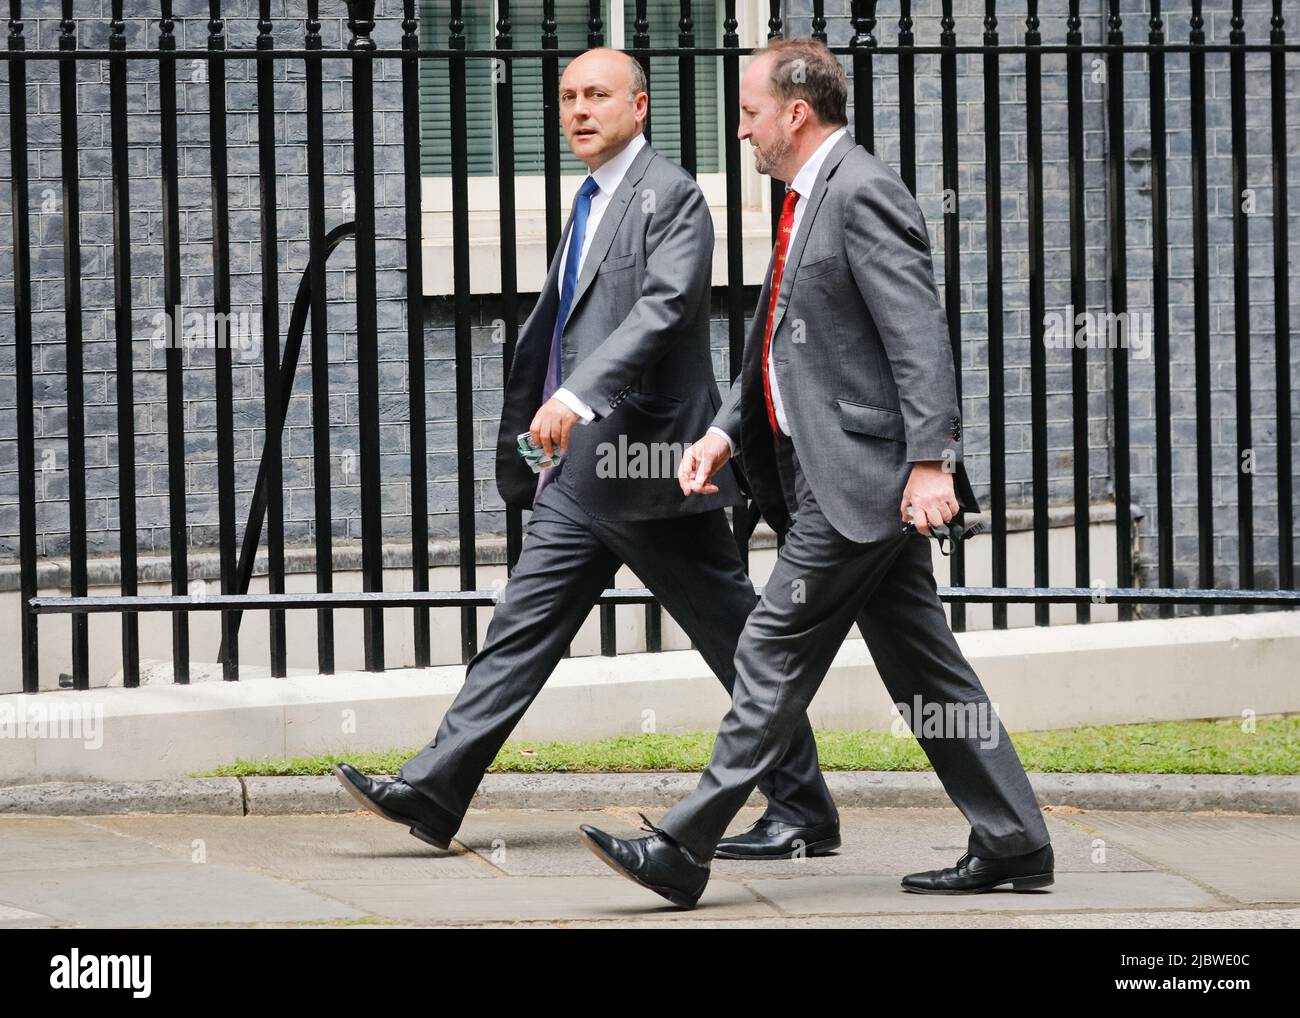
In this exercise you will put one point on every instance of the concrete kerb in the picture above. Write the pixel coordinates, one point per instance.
(280, 796)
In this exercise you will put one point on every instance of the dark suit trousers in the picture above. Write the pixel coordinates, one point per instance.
(821, 584)
(691, 565)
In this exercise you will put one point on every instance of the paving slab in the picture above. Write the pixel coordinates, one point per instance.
(1214, 919)
(165, 894)
(541, 842)
(1273, 919)
(302, 848)
(51, 844)
(1248, 858)
(835, 894)
(515, 899)
(11, 918)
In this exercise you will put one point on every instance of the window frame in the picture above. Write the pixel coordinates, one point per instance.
(530, 200)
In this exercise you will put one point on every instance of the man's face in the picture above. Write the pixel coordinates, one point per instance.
(764, 120)
(597, 111)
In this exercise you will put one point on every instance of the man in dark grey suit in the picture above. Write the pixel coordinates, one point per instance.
(846, 420)
(619, 340)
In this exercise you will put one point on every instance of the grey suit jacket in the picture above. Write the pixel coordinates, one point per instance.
(862, 355)
(635, 349)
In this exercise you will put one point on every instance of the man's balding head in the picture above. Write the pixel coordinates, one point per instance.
(603, 55)
(603, 104)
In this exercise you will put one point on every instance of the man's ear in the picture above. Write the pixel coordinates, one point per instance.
(800, 114)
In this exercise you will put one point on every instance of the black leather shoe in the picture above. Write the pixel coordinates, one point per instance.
(396, 801)
(658, 863)
(973, 875)
(772, 839)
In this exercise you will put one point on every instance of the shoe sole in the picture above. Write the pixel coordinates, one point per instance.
(1026, 883)
(676, 897)
(425, 835)
(823, 847)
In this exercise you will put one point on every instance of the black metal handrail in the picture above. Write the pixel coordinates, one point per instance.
(288, 369)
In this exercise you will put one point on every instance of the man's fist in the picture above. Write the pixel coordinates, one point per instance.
(552, 424)
(700, 462)
(930, 496)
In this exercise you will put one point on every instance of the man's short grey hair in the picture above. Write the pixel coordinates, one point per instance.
(638, 83)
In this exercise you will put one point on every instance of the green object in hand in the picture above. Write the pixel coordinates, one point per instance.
(535, 456)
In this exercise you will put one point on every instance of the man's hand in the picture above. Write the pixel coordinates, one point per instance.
(700, 462)
(930, 495)
(552, 424)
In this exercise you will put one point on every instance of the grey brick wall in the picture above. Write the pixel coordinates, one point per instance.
(196, 234)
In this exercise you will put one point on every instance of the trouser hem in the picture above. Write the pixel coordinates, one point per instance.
(448, 822)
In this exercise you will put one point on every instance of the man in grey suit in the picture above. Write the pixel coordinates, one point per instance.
(846, 420)
(618, 340)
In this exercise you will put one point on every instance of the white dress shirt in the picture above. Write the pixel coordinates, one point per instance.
(802, 184)
(607, 179)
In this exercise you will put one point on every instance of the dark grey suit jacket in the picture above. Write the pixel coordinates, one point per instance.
(862, 355)
(635, 349)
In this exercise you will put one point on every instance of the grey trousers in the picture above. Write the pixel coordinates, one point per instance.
(568, 557)
(821, 584)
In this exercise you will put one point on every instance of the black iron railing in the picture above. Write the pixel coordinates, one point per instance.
(1004, 47)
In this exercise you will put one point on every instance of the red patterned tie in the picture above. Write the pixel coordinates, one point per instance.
(782, 246)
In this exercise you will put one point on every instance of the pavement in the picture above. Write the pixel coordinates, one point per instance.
(526, 867)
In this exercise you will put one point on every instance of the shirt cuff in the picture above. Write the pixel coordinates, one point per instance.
(576, 405)
(730, 443)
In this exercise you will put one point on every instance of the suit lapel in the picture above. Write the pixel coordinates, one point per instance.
(752, 355)
(754, 337)
(534, 344)
(553, 273)
(837, 153)
(542, 318)
(610, 222)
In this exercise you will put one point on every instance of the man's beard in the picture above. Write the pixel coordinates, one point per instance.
(766, 161)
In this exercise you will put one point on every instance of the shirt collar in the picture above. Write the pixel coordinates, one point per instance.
(806, 178)
(611, 174)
